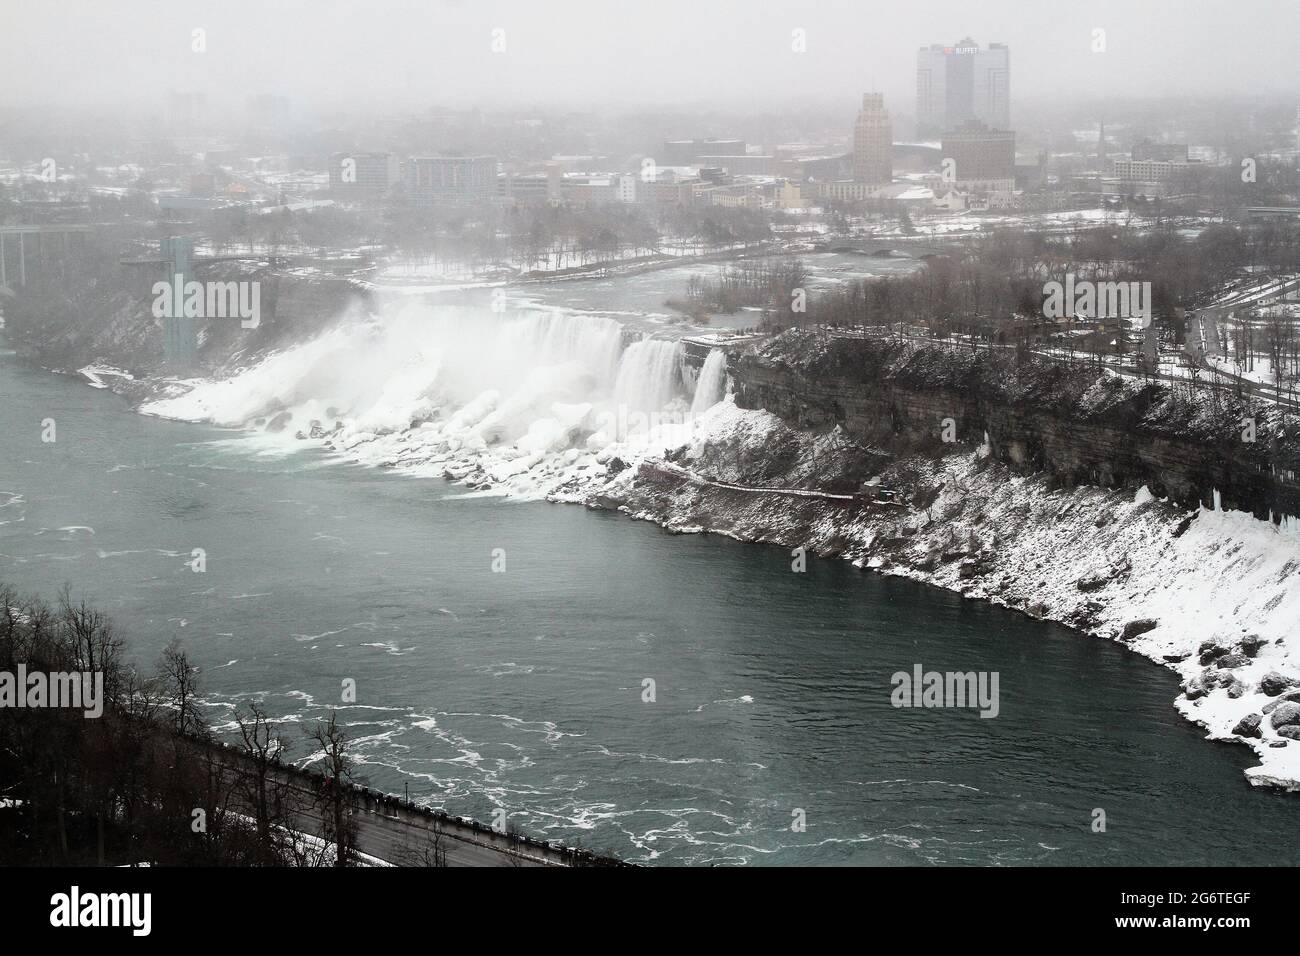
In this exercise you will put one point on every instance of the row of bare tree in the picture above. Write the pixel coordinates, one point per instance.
(146, 781)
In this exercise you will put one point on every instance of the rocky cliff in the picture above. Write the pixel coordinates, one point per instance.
(1075, 424)
(1068, 493)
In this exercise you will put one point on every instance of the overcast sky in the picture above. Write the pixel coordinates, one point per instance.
(608, 53)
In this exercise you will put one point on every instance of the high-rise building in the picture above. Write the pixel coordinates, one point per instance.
(955, 84)
(873, 142)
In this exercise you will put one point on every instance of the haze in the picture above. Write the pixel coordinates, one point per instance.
(327, 55)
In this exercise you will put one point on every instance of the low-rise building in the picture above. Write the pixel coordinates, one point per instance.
(364, 173)
(436, 180)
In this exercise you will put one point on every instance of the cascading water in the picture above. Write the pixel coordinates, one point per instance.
(518, 398)
(712, 383)
(648, 375)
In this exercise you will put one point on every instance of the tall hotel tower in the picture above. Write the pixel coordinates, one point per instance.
(956, 84)
(873, 142)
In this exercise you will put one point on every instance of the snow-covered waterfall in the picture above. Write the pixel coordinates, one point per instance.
(520, 396)
(712, 383)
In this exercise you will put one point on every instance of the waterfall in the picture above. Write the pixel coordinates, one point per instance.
(552, 338)
(536, 382)
(648, 375)
(712, 384)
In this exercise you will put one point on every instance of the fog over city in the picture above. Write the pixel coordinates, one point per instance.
(331, 54)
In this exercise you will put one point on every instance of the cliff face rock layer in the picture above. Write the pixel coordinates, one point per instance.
(1076, 425)
(111, 323)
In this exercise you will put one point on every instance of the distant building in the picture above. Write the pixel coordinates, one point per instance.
(268, 111)
(803, 168)
(1161, 152)
(790, 196)
(956, 84)
(873, 142)
(687, 152)
(742, 195)
(1149, 170)
(364, 173)
(432, 180)
(842, 190)
(669, 189)
(1273, 212)
(747, 164)
(524, 189)
(981, 155)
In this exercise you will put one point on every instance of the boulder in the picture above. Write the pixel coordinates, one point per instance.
(1194, 689)
(1286, 715)
(1212, 678)
(1248, 726)
(1289, 695)
(1134, 628)
(1274, 683)
(1290, 731)
(1277, 743)
(1211, 649)
(1250, 644)
(1232, 660)
(1236, 689)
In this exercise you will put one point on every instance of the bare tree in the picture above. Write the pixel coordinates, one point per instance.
(334, 799)
(262, 785)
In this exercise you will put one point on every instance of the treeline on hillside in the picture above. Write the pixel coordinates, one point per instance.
(144, 782)
(548, 236)
(1001, 278)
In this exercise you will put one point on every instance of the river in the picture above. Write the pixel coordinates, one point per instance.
(522, 688)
